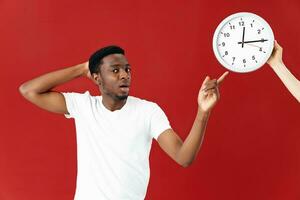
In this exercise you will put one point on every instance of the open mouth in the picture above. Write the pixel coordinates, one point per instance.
(124, 85)
(124, 88)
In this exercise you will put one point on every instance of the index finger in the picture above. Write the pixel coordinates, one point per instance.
(220, 80)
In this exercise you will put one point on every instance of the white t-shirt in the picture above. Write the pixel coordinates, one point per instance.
(113, 147)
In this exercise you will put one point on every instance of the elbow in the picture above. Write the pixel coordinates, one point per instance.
(185, 164)
(184, 161)
(24, 91)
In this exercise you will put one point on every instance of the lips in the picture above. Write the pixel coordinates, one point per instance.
(124, 87)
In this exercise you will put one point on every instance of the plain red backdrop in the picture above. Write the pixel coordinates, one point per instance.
(251, 148)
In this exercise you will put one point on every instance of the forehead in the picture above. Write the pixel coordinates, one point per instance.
(115, 59)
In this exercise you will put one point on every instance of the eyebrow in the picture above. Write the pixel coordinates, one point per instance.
(117, 65)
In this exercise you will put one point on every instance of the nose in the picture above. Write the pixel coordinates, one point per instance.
(124, 74)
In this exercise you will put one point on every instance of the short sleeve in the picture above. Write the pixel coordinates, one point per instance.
(74, 102)
(158, 122)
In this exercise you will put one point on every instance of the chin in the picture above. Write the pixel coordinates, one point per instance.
(122, 97)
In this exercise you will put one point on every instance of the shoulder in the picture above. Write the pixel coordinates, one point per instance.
(75, 96)
(85, 94)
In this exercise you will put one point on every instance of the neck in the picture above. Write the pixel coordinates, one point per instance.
(112, 104)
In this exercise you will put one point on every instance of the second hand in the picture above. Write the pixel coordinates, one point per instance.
(252, 45)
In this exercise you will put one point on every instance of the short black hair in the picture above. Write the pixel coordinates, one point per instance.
(96, 58)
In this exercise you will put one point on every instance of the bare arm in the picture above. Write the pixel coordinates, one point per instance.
(38, 90)
(185, 152)
(288, 79)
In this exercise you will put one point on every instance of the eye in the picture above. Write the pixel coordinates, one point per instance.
(128, 70)
(115, 70)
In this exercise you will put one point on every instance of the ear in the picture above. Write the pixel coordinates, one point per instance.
(96, 78)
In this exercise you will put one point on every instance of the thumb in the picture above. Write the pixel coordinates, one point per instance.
(207, 78)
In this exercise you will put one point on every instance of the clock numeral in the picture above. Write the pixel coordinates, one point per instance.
(251, 25)
(223, 44)
(241, 23)
(260, 48)
(232, 27)
(253, 58)
(233, 59)
(244, 61)
(226, 53)
(226, 35)
(258, 31)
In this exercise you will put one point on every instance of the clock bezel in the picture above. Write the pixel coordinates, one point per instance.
(268, 51)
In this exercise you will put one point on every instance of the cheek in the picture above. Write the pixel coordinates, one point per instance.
(109, 82)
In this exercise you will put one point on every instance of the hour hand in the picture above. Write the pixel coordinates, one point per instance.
(252, 41)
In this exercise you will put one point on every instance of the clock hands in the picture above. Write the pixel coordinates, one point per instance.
(245, 42)
(243, 37)
(260, 48)
(253, 45)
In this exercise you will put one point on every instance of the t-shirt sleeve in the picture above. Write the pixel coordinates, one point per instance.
(74, 102)
(158, 122)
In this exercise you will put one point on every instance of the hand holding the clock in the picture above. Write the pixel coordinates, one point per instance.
(276, 57)
(209, 93)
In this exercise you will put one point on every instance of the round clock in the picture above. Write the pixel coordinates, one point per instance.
(243, 42)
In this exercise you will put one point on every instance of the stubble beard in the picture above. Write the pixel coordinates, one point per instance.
(121, 97)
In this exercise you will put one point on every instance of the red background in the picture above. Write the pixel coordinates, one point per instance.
(251, 149)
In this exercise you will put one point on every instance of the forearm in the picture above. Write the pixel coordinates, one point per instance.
(288, 79)
(50, 80)
(190, 147)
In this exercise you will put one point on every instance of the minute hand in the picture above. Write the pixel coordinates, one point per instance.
(263, 40)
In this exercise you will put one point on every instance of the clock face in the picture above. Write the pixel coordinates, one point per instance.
(243, 42)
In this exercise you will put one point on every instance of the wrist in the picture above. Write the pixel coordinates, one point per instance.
(203, 113)
(277, 64)
(83, 69)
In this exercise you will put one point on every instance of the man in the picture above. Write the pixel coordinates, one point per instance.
(114, 130)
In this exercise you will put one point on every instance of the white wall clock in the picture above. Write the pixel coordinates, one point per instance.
(243, 42)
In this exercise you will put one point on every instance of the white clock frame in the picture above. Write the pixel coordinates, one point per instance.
(263, 58)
